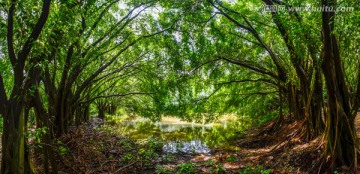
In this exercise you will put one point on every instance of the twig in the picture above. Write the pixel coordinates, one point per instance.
(125, 166)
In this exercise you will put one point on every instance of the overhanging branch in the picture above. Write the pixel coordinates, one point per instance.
(106, 65)
(280, 68)
(248, 80)
(116, 95)
(251, 67)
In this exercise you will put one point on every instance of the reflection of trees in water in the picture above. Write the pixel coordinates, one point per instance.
(194, 136)
(221, 136)
(166, 127)
(144, 127)
(194, 146)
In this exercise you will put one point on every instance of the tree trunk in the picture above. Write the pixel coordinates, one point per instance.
(86, 114)
(101, 106)
(82, 114)
(101, 113)
(317, 106)
(47, 138)
(64, 113)
(13, 138)
(341, 141)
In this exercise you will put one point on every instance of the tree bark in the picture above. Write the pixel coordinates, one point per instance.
(13, 139)
(341, 141)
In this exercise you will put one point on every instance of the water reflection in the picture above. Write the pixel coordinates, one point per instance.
(193, 146)
(184, 137)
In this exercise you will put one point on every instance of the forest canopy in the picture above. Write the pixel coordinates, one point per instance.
(64, 62)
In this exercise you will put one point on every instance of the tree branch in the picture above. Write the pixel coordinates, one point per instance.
(249, 80)
(10, 33)
(3, 96)
(100, 17)
(247, 39)
(35, 33)
(251, 67)
(207, 62)
(116, 25)
(280, 68)
(117, 95)
(106, 65)
(207, 97)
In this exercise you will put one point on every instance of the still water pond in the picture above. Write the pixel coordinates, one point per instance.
(183, 137)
